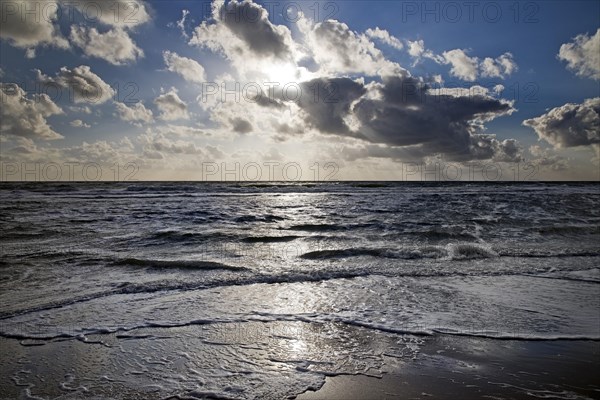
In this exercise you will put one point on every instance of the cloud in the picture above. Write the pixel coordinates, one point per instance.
(416, 48)
(189, 69)
(256, 48)
(250, 23)
(25, 116)
(116, 13)
(546, 159)
(134, 114)
(339, 50)
(583, 55)
(114, 46)
(498, 89)
(403, 112)
(181, 23)
(385, 37)
(79, 124)
(158, 145)
(241, 125)
(30, 32)
(570, 125)
(170, 130)
(171, 107)
(499, 67)
(101, 152)
(243, 28)
(84, 85)
(463, 66)
(83, 109)
(30, 53)
(327, 102)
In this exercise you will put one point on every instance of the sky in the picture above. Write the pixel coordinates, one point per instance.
(305, 90)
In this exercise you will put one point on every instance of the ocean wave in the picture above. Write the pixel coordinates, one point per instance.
(259, 218)
(547, 253)
(464, 251)
(317, 227)
(343, 253)
(177, 264)
(569, 230)
(269, 239)
(439, 234)
(470, 251)
(173, 235)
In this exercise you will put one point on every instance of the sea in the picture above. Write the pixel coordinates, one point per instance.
(252, 290)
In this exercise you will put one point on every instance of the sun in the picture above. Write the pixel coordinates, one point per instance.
(282, 73)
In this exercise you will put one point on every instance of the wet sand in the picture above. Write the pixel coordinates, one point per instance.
(138, 365)
(451, 367)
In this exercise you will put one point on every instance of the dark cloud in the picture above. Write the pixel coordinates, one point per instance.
(570, 125)
(267, 100)
(241, 125)
(403, 113)
(250, 23)
(327, 101)
(406, 114)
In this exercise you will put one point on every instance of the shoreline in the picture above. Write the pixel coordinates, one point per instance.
(473, 368)
(444, 366)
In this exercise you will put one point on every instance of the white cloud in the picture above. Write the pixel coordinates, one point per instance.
(157, 145)
(181, 23)
(30, 53)
(82, 109)
(570, 125)
(339, 50)
(171, 107)
(498, 68)
(102, 152)
(583, 55)
(416, 48)
(547, 159)
(79, 124)
(498, 89)
(25, 116)
(170, 130)
(114, 46)
(117, 13)
(189, 69)
(83, 85)
(241, 32)
(134, 113)
(30, 32)
(385, 37)
(463, 66)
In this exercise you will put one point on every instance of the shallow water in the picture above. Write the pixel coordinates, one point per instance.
(159, 263)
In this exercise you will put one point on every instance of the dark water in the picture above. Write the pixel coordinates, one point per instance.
(494, 260)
